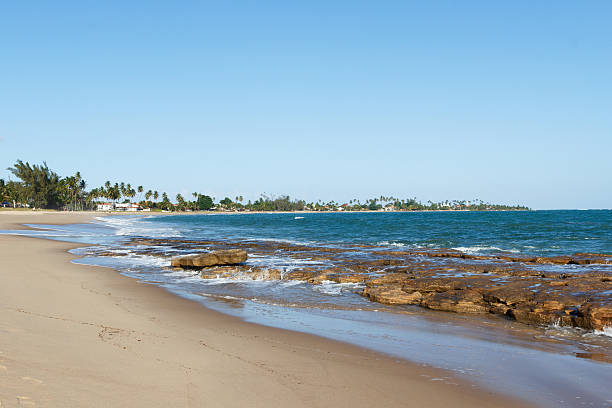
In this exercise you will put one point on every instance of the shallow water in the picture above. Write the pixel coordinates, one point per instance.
(553, 366)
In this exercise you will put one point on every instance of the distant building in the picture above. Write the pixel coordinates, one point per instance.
(105, 206)
(127, 207)
(118, 207)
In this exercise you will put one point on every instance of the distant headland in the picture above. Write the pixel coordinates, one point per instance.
(41, 187)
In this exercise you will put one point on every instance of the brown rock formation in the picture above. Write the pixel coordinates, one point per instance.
(569, 290)
(223, 257)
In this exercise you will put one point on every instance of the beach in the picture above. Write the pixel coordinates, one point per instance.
(78, 335)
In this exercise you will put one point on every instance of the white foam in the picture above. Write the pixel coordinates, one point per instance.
(182, 273)
(148, 260)
(239, 277)
(278, 262)
(289, 283)
(395, 244)
(606, 331)
(284, 241)
(126, 225)
(479, 248)
(333, 288)
(404, 245)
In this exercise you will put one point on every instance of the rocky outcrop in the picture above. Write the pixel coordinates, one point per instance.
(595, 316)
(216, 258)
(568, 290)
(240, 273)
(392, 295)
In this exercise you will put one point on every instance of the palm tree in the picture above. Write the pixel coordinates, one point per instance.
(165, 202)
(130, 192)
(194, 204)
(90, 198)
(114, 193)
(155, 196)
(181, 201)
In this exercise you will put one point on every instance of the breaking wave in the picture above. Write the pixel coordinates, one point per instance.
(482, 248)
(138, 226)
(607, 331)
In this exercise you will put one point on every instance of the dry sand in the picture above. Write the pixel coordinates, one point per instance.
(81, 336)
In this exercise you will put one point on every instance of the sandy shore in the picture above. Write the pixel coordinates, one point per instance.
(76, 336)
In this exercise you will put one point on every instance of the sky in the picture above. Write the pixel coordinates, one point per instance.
(508, 102)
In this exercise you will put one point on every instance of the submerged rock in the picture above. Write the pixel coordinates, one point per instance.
(216, 258)
(565, 290)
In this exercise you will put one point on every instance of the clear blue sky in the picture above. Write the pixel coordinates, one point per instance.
(506, 101)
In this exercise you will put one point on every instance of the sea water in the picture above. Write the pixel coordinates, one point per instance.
(543, 364)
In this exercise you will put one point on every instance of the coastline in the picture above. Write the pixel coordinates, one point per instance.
(201, 212)
(79, 335)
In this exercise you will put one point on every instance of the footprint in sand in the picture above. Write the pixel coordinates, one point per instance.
(23, 401)
(34, 380)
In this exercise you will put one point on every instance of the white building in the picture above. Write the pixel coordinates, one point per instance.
(118, 207)
(105, 206)
(127, 207)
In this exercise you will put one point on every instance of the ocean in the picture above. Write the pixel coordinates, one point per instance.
(280, 285)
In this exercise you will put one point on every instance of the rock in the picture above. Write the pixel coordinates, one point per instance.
(498, 308)
(505, 284)
(530, 314)
(240, 272)
(302, 274)
(392, 296)
(219, 272)
(558, 260)
(458, 301)
(431, 284)
(273, 274)
(392, 278)
(510, 293)
(223, 257)
(318, 279)
(594, 316)
(343, 275)
(347, 278)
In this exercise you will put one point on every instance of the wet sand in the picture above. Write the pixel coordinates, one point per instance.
(76, 335)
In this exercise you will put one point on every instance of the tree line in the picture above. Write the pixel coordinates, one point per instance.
(41, 187)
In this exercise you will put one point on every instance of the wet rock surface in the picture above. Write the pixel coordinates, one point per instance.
(215, 258)
(572, 290)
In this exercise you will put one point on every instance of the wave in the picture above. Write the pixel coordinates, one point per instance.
(481, 248)
(333, 288)
(148, 260)
(421, 245)
(395, 244)
(606, 331)
(284, 241)
(138, 226)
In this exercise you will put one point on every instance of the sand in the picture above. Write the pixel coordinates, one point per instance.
(82, 336)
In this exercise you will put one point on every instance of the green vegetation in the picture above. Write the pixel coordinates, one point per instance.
(40, 187)
(204, 202)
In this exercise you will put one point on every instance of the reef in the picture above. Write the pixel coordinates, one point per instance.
(570, 290)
